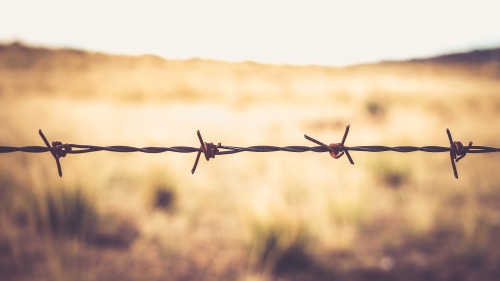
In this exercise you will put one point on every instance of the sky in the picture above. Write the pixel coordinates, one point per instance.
(334, 33)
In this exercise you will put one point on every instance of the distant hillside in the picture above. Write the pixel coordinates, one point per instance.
(483, 62)
(477, 57)
(28, 70)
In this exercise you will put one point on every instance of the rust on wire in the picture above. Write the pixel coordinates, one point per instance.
(336, 150)
(456, 150)
(58, 150)
(208, 148)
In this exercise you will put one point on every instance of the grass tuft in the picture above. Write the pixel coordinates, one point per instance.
(71, 213)
(279, 246)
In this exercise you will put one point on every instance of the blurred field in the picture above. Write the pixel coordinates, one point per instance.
(279, 216)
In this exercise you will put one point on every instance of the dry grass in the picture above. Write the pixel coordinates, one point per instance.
(246, 216)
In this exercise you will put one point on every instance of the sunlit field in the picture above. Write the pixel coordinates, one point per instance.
(247, 216)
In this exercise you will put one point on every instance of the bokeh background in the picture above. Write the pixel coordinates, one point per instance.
(249, 216)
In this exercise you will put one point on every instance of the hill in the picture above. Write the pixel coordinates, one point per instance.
(481, 62)
(28, 70)
(473, 58)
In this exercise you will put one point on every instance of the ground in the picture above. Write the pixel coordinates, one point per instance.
(248, 216)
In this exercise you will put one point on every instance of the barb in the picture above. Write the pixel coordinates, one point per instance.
(209, 149)
(457, 151)
(57, 150)
(336, 150)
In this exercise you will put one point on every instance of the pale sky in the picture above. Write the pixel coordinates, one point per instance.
(282, 32)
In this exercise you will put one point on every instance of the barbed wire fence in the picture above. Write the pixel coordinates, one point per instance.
(456, 149)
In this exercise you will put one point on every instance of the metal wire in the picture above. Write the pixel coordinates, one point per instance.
(457, 150)
(233, 149)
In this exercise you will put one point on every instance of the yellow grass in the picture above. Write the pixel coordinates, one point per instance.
(249, 216)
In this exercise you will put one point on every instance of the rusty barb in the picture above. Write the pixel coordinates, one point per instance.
(336, 150)
(208, 148)
(58, 150)
(457, 151)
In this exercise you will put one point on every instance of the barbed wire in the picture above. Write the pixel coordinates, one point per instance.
(456, 149)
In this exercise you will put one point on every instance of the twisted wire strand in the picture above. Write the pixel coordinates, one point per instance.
(80, 149)
(456, 149)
